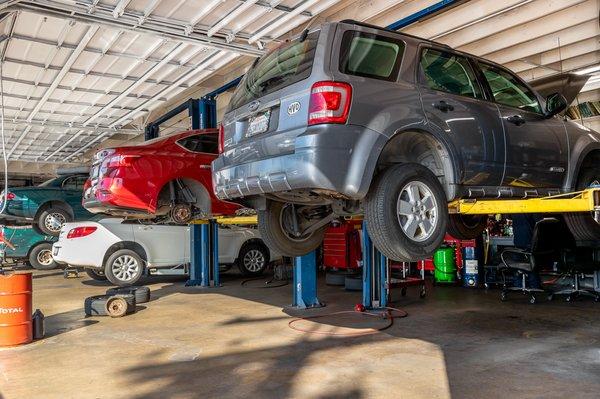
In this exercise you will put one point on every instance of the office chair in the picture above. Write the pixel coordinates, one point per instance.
(577, 262)
(549, 240)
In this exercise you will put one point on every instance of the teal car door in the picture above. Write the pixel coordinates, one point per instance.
(72, 191)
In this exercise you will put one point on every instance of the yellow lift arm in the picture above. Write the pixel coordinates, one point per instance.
(579, 201)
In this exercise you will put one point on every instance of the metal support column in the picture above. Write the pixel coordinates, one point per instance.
(305, 282)
(204, 255)
(199, 255)
(375, 274)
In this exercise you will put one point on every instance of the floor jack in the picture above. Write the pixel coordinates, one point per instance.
(71, 272)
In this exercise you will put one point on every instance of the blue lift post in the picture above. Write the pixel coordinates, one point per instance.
(305, 282)
(375, 274)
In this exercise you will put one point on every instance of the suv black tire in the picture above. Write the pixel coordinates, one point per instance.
(40, 257)
(95, 274)
(582, 225)
(253, 259)
(271, 232)
(383, 219)
(124, 256)
(466, 227)
(44, 221)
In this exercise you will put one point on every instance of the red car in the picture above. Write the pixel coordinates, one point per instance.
(168, 177)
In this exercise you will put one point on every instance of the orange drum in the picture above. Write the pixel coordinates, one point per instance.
(15, 309)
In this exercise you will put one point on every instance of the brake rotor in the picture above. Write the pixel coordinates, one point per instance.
(181, 213)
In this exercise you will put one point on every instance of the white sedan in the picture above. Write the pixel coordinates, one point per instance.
(123, 252)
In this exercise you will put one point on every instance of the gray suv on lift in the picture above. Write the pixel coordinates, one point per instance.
(353, 119)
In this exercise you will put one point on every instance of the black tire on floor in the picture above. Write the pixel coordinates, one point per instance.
(353, 283)
(96, 305)
(274, 236)
(335, 278)
(582, 224)
(120, 305)
(52, 219)
(466, 227)
(96, 274)
(124, 258)
(253, 259)
(390, 203)
(141, 293)
(40, 257)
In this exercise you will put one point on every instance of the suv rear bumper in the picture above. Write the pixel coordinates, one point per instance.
(338, 158)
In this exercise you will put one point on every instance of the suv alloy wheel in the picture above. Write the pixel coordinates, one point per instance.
(406, 212)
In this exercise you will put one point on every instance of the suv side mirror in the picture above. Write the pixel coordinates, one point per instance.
(555, 103)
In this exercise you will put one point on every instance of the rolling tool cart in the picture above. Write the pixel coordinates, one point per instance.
(401, 277)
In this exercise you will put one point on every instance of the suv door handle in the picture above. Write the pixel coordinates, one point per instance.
(516, 119)
(443, 106)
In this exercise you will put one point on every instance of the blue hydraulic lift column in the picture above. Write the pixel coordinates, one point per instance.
(204, 245)
(305, 282)
(375, 265)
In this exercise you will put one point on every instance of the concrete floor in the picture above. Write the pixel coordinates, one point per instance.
(235, 342)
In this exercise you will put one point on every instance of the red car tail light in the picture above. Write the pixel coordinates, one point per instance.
(81, 231)
(10, 196)
(120, 160)
(329, 102)
(221, 138)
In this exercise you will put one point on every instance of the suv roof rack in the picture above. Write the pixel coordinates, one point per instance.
(366, 25)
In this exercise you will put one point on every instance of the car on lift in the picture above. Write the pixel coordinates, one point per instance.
(123, 251)
(350, 118)
(167, 179)
(47, 206)
(24, 243)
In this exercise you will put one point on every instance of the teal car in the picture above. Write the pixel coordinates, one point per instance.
(23, 243)
(47, 206)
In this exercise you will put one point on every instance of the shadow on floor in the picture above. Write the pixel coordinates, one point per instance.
(488, 346)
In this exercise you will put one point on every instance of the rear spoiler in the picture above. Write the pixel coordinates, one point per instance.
(567, 84)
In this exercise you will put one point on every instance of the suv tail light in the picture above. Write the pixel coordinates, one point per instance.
(221, 138)
(329, 102)
(81, 231)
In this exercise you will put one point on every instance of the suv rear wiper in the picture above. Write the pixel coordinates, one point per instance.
(263, 85)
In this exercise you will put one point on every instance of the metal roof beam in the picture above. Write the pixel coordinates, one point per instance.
(172, 53)
(85, 147)
(128, 21)
(90, 73)
(272, 25)
(73, 125)
(21, 137)
(203, 69)
(82, 90)
(93, 50)
(65, 69)
(230, 16)
(120, 8)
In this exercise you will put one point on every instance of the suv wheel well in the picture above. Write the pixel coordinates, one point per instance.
(424, 149)
(134, 246)
(592, 159)
(53, 204)
(197, 189)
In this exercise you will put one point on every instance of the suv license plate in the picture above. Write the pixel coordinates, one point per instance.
(258, 124)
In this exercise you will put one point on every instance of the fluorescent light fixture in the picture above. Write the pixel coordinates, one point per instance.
(589, 70)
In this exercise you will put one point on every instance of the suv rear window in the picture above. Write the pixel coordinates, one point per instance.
(370, 55)
(206, 143)
(287, 64)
